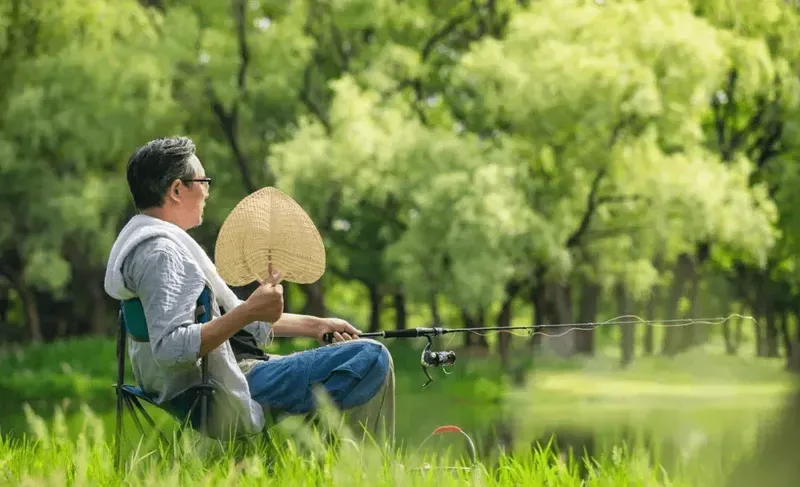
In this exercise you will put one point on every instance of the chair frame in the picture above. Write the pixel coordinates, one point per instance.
(128, 397)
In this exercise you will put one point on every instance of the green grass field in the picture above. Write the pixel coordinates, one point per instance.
(682, 422)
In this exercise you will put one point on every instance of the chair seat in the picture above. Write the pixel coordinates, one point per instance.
(178, 407)
(138, 392)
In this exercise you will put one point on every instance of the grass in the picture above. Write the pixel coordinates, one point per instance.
(87, 461)
(680, 422)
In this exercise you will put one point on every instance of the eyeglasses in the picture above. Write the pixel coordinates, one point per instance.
(198, 180)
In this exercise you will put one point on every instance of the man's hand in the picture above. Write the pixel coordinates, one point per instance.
(266, 302)
(342, 330)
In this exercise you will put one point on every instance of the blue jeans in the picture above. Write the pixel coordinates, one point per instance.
(351, 372)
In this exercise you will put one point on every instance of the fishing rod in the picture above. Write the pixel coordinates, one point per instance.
(430, 359)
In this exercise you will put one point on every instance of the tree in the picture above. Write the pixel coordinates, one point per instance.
(72, 107)
(618, 144)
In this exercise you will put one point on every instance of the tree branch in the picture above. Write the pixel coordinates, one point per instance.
(305, 93)
(592, 201)
(591, 207)
(447, 29)
(427, 49)
(240, 16)
(305, 97)
(721, 116)
(339, 44)
(228, 125)
(483, 27)
(156, 4)
(229, 120)
(621, 198)
(331, 206)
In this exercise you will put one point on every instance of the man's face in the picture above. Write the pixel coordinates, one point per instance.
(193, 197)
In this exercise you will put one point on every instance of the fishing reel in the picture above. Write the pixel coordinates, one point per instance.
(430, 359)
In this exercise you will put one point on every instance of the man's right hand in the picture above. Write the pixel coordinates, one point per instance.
(266, 302)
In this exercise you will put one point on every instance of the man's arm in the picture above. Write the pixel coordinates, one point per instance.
(219, 330)
(261, 330)
(295, 325)
(168, 286)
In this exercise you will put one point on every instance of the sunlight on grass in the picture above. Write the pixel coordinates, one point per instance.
(577, 422)
(54, 456)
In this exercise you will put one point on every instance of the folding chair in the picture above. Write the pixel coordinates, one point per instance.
(184, 407)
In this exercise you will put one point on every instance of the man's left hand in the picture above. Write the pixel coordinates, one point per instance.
(342, 330)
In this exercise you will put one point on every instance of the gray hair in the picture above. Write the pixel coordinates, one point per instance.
(155, 165)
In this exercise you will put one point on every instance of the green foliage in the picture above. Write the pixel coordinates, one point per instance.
(450, 152)
(628, 122)
(73, 106)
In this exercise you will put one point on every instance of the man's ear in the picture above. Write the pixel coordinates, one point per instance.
(174, 190)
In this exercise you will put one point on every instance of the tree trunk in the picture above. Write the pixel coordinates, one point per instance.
(786, 338)
(375, 299)
(739, 332)
(504, 339)
(474, 321)
(315, 300)
(648, 340)
(400, 311)
(730, 345)
(562, 338)
(587, 313)
(503, 320)
(627, 332)
(691, 335)
(62, 327)
(469, 322)
(435, 316)
(759, 311)
(538, 299)
(793, 361)
(761, 350)
(5, 305)
(98, 322)
(771, 336)
(682, 274)
(31, 313)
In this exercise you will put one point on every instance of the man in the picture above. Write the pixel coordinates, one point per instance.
(155, 260)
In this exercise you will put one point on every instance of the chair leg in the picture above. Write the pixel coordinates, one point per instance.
(123, 402)
(118, 430)
(135, 417)
(203, 413)
(204, 397)
(201, 401)
(148, 418)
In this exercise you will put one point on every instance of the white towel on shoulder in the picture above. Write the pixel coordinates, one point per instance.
(236, 409)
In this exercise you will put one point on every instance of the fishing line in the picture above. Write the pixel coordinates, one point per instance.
(435, 359)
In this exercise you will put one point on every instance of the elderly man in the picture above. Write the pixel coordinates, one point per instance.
(155, 260)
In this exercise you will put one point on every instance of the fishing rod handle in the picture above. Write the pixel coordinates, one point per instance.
(328, 337)
(407, 333)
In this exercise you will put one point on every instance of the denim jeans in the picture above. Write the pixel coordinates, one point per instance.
(357, 375)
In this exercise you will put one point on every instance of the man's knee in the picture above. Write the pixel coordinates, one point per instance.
(377, 354)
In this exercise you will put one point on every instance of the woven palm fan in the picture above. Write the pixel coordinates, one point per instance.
(269, 227)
